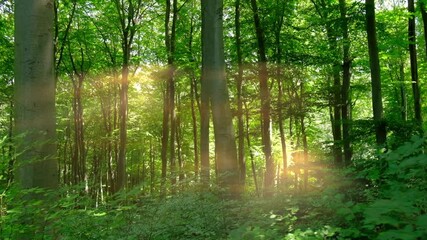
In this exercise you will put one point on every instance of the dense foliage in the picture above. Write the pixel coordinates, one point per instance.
(309, 162)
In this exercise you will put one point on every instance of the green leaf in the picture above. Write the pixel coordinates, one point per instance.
(406, 233)
(421, 222)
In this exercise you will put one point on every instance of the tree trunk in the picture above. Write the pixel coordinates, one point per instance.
(239, 81)
(377, 103)
(414, 64)
(265, 101)
(194, 100)
(213, 72)
(424, 17)
(173, 127)
(129, 15)
(121, 161)
(336, 108)
(78, 158)
(345, 108)
(324, 10)
(35, 94)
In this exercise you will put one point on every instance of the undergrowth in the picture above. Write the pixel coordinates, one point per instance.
(381, 196)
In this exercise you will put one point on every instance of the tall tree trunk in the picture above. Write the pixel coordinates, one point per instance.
(345, 111)
(173, 127)
(204, 117)
(239, 81)
(194, 100)
(424, 17)
(78, 158)
(129, 15)
(170, 35)
(265, 101)
(108, 98)
(414, 65)
(336, 109)
(121, 161)
(377, 103)
(213, 72)
(107, 113)
(35, 94)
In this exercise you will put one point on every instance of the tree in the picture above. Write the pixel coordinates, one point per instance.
(377, 104)
(129, 14)
(345, 108)
(424, 18)
(35, 94)
(213, 74)
(6, 91)
(265, 99)
(279, 22)
(170, 42)
(239, 86)
(414, 63)
(325, 10)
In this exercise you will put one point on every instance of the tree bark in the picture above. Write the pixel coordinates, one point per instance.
(35, 94)
(377, 104)
(213, 72)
